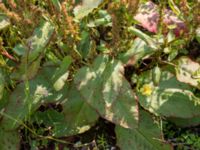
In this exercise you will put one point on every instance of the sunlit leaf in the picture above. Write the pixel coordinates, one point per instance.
(27, 71)
(62, 73)
(174, 7)
(198, 34)
(32, 51)
(170, 98)
(4, 21)
(103, 86)
(85, 8)
(104, 19)
(36, 44)
(148, 17)
(188, 71)
(23, 102)
(38, 41)
(149, 40)
(138, 51)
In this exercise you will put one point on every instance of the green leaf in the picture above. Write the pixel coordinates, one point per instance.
(56, 4)
(145, 137)
(104, 87)
(174, 7)
(156, 74)
(104, 19)
(4, 93)
(49, 117)
(32, 51)
(20, 49)
(85, 8)
(170, 98)
(62, 73)
(173, 53)
(2, 83)
(27, 72)
(25, 100)
(198, 34)
(190, 122)
(78, 115)
(9, 140)
(37, 43)
(4, 21)
(149, 40)
(188, 71)
(85, 44)
(138, 51)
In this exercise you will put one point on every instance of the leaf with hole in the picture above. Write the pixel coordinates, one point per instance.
(27, 97)
(78, 115)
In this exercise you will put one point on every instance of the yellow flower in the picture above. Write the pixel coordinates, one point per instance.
(146, 90)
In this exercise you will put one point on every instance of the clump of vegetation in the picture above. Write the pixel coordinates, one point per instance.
(99, 74)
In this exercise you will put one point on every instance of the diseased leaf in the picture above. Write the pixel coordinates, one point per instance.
(85, 8)
(145, 137)
(156, 74)
(188, 71)
(198, 34)
(138, 51)
(37, 43)
(103, 86)
(170, 98)
(32, 51)
(148, 17)
(104, 19)
(62, 73)
(27, 72)
(23, 103)
(4, 21)
(149, 40)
